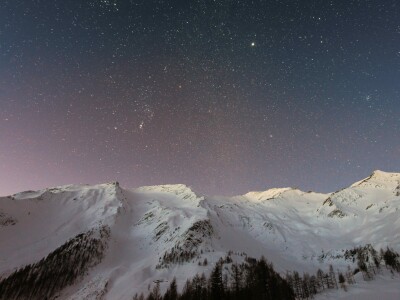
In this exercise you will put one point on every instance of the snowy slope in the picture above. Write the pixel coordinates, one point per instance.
(384, 287)
(158, 232)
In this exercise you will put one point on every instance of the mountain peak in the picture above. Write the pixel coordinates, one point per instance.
(180, 190)
(379, 178)
(268, 194)
(383, 174)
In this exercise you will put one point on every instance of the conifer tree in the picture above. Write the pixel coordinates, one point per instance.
(172, 291)
(216, 282)
(320, 279)
(342, 281)
(332, 277)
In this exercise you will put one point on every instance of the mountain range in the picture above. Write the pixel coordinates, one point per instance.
(114, 242)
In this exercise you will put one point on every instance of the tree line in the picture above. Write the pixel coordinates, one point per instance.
(257, 279)
(253, 279)
(368, 261)
(61, 268)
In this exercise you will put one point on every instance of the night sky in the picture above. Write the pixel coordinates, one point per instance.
(224, 96)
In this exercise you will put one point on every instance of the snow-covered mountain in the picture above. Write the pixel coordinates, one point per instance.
(131, 238)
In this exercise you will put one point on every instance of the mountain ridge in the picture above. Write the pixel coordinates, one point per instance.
(165, 231)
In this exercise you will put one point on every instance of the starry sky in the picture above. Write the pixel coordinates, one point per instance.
(225, 96)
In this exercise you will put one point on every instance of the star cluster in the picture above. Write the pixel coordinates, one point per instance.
(225, 96)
